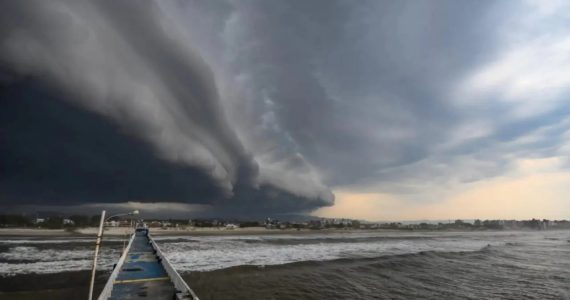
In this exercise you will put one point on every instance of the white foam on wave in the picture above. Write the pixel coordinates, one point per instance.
(44, 267)
(205, 253)
(28, 259)
(54, 241)
(218, 253)
(55, 266)
(27, 253)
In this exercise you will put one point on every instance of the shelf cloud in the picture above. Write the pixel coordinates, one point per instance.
(256, 107)
(104, 102)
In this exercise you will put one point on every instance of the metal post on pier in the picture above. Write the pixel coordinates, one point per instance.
(97, 244)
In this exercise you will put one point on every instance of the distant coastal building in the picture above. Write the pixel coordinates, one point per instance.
(112, 223)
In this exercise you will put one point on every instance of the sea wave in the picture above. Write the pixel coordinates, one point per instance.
(524, 271)
(219, 254)
(28, 259)
(24, 241)
(207, 253)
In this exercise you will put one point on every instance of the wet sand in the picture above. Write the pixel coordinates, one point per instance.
(33, 232)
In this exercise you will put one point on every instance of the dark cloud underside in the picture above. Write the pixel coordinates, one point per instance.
(54, 152)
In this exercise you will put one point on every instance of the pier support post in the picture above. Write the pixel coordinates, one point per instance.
(97, 244)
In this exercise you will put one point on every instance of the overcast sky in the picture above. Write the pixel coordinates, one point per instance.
(378, 110)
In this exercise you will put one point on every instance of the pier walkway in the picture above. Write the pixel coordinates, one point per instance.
(144, 273)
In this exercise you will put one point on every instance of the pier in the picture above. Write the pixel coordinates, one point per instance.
(143, 272)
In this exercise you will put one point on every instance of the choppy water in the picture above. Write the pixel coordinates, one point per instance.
(379, 265)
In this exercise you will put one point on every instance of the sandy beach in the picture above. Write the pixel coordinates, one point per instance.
(33, 232)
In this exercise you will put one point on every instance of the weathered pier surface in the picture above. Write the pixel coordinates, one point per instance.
(144, 273)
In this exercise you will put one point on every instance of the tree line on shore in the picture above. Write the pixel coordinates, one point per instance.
(52, 222)
(81, 221)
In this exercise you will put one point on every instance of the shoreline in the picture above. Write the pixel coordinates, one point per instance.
(119, 231)
(207, 231)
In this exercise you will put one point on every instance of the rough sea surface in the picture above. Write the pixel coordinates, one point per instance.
(371, 265)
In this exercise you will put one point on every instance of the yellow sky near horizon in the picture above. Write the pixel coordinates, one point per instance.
(536, 188)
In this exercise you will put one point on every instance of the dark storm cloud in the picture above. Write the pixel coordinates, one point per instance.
(56, 153)
(354, 87)
(169, 80)
(366, 92)
(261, 105)
(104, 103)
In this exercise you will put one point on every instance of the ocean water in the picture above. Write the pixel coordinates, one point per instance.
(371, 265)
